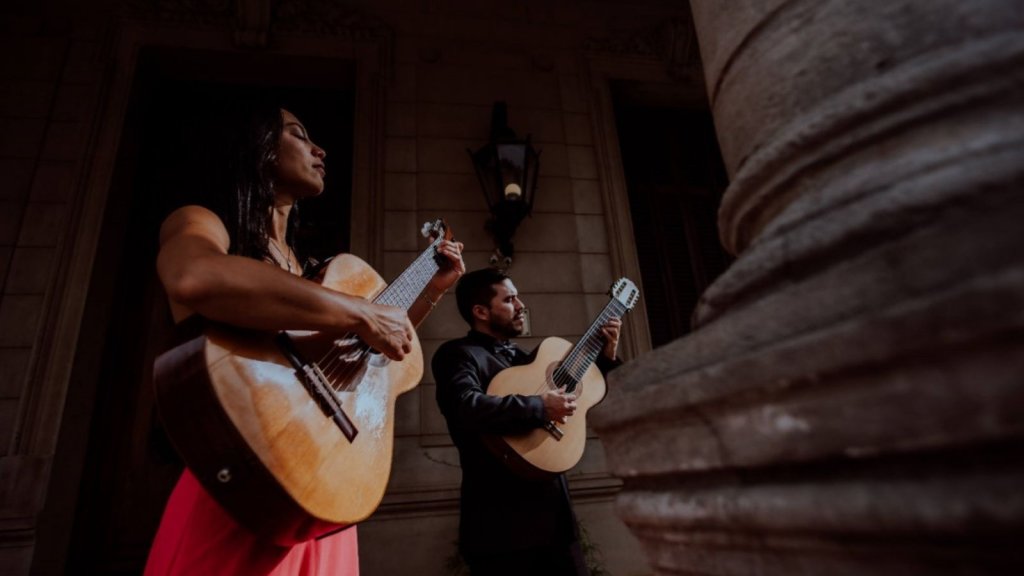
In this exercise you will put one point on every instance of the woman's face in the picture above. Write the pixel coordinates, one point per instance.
(299, 171)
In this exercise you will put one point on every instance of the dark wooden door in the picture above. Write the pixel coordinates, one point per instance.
(675, 179)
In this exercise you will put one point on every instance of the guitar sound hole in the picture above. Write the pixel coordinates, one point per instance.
(343, 361)
(348, 362)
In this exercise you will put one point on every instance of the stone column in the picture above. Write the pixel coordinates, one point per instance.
(852, 398)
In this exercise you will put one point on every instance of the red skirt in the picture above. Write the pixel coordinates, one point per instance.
(196, 536)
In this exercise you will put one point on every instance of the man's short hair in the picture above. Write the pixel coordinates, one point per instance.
(477, 287)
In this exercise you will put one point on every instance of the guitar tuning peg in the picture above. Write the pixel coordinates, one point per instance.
(427, 228)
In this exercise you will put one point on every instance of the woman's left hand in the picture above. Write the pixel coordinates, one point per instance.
(448, 275)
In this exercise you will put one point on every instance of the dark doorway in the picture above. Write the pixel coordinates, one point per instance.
(675, 177)
(111, 438)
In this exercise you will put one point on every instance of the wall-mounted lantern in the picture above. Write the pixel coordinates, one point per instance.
(507, 168)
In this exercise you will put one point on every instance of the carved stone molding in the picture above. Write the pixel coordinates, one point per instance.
(195, 12)
(673, 42)
(254, 21)
(326, 18)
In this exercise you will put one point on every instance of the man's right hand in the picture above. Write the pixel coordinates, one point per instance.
(558, 405)
(387, 329)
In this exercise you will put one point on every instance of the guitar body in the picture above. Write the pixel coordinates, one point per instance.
(257, 441)
(538, 453)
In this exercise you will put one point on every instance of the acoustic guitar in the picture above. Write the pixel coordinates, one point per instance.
(556, 447)
(291, 432)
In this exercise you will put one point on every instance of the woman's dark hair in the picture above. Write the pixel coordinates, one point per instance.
(477, 287)
(240, 174)
(247, 200)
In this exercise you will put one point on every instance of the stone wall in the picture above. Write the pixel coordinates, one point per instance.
(439, 105)
(48, 105)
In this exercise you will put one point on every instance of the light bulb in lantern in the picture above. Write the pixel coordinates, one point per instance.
(513, 191)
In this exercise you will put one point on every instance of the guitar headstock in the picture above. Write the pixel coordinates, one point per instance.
(436, 229)
(626, 292)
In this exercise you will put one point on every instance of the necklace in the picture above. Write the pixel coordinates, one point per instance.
(287, 259)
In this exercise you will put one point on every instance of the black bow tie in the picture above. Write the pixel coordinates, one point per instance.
(506, 349)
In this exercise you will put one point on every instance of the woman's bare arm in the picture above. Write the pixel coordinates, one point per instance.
(198, 273)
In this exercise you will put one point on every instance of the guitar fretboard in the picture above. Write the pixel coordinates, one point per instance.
(407, 287)
(570, 372)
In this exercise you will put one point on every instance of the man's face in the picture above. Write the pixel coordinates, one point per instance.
(505, 311)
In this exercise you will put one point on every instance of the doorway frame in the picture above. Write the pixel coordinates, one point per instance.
(601, 72)
(43, 418)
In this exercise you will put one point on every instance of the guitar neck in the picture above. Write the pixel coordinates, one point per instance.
(407, 287)
(586, 351)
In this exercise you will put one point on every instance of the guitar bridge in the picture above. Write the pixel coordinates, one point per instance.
(316, 384)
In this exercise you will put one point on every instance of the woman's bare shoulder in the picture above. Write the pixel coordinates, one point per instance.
(193, 221)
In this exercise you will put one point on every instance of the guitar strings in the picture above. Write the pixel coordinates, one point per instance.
(343, 368)
(384, 298)
(338, 366)
(398, 294)
(575, 365)
(571, 370)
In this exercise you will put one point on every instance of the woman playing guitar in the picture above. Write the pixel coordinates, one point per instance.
(234, 263)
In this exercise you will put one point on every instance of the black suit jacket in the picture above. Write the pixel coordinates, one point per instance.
(500, 511)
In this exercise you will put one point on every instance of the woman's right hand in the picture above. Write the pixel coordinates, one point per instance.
(387, 329)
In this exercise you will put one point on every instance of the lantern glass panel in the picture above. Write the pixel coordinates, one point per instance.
(512, 158)
(512, 155)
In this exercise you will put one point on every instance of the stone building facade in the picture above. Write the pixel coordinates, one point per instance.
(849, 401)
(424, 77)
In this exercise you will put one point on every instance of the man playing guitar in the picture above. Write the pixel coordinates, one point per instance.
(508, 524)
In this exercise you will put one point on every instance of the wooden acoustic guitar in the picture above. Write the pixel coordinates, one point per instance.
(556, 447)
(291, 432)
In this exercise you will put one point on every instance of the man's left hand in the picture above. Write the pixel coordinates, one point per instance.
(610, 331)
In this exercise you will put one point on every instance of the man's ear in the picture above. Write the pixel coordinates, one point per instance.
(481, 312)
